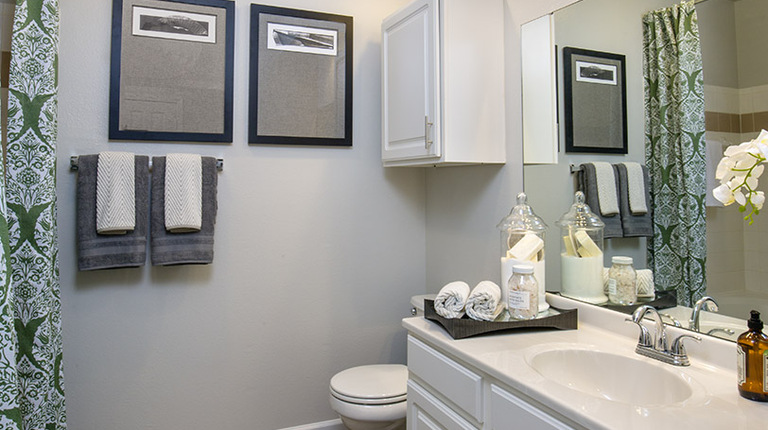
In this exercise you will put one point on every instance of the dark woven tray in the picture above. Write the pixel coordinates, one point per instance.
(564, 319)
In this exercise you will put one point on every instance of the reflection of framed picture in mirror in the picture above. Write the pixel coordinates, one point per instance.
(300, 77)
(172, 70)
(595, 101)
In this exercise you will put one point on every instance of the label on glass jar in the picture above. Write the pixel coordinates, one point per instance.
(612, 287)
(741, 365)
(765, 371)
(519, 300)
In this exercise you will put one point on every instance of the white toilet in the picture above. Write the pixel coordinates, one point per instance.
(371, 397)
(374, 397)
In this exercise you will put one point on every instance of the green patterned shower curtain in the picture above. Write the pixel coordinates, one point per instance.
(31, 388)
(674, 150)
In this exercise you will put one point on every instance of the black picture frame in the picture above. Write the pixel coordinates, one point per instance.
(595, 96)
(172, 70)
(300, 77)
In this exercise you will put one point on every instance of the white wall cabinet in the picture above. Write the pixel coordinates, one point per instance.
(444, 393)
(443, 84)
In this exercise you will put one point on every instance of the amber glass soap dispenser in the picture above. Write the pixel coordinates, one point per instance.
(752, 352)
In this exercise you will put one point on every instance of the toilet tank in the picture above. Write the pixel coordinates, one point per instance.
(417, 303)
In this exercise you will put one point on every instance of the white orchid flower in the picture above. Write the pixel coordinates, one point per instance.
(724, 169)
(740, 198)
(723, 194)
(758, 198)
(738, 172)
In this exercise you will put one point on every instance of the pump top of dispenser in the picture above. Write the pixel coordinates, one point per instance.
(754, 323)
(521, 218)
(580, 215)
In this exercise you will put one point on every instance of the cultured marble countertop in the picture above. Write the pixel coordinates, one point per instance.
(715, 404)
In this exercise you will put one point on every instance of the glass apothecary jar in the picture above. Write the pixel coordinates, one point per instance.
(622, 281)
(581, 253)
(522, 242)
(523, 293)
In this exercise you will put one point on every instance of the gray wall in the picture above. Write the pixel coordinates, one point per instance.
(717, 30)
(752, 39)
(318, 251)
(464, 204)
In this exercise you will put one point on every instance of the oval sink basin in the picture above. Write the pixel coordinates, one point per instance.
(611, 376)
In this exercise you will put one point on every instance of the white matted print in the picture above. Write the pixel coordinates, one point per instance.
(294, 38)
(596, 73)
(174, 24)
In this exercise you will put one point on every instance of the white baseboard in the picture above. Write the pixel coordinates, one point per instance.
(325, 425)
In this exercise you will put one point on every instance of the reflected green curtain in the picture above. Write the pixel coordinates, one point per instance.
(31, 388)
(674, 150)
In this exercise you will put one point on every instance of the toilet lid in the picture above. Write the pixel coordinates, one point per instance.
(373, 384)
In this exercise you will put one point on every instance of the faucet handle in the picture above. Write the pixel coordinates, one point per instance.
(677, 345)
(645, 336)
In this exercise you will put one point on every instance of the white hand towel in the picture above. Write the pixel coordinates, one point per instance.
(606, 188)
(484, 302)
(115, 193)
(636, 188)
(183, 193)
(451, 299)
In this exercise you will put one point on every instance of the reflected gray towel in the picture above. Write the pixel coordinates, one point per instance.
(588, 185)
(97, 251)
(634, 225)
(183, 248)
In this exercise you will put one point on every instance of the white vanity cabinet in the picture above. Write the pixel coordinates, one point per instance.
(443, 84)
(444, 393)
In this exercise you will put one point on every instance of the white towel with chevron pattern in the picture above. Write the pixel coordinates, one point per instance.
(606, 188)
(115, 193)
(183, 193)
(636, 188)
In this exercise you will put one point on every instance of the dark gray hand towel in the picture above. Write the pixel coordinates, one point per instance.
(634, 225)
(588, 185)
(183, 248)
(96, 251)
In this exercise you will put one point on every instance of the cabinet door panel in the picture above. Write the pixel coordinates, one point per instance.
(408, 83)
(425, 411)
(509, 412)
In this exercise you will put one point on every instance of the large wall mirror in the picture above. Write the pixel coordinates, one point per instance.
(733, 43)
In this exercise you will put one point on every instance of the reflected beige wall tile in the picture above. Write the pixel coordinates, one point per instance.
(761, 120)
(747, 123)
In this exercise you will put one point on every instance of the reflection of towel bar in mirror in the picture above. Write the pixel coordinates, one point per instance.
(73, 163)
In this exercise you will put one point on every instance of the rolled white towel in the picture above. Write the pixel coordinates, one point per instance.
(451, 299)
(645, 285)
(484, 302)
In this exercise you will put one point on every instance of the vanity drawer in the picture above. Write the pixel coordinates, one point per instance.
(452, 380)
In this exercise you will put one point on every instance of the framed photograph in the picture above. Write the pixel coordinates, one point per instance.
(172, 70)
(595, 97)
(300, 78)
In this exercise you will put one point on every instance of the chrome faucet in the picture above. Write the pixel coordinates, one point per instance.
(704, 303)
(656, 346)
